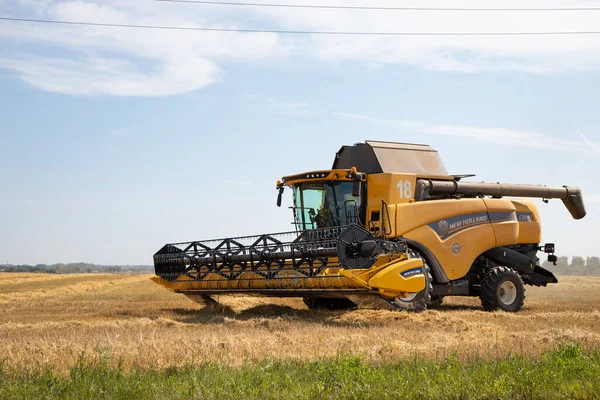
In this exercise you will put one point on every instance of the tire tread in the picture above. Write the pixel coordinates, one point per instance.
(489, 287)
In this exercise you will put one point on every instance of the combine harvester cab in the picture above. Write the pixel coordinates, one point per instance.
(386, 226)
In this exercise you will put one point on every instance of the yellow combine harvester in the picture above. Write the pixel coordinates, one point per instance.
(386, 225)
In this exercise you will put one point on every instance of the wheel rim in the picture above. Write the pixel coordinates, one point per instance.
(507, 292)
(408, 298)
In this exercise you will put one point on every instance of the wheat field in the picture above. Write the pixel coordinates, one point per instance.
(54, 320)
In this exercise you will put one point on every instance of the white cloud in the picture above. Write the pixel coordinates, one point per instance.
(98, 76)
(502, 136)
(120, 61)
(539, 54)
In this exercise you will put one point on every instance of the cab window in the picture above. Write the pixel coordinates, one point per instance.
(325, 204)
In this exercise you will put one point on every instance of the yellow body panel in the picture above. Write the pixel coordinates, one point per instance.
(456, 263)
(411, 216)
(506, 231)
(530, 227)
(405, 276)
(395, 190)
(456, 231)
(392, 279)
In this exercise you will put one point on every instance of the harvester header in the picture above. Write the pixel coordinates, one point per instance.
(386, 225)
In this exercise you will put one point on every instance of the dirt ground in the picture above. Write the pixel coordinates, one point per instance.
(54, 319)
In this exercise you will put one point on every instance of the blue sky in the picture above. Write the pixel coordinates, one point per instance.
(114, 142)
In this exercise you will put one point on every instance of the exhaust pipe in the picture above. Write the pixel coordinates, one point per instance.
(570, 196)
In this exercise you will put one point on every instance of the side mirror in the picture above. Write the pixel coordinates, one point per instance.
(356, 188)
(279, 196)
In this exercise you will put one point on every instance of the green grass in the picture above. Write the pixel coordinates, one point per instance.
(570, 372)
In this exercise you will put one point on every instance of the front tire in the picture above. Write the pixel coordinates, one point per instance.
(416, 302)
(502, 289)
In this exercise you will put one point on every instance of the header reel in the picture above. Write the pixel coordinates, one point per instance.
(272, 256)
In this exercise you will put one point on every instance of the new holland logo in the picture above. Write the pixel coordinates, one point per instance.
(443, 228)
(412, 272)
(456, 248)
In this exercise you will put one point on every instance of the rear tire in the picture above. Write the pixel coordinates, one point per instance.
(502, 289)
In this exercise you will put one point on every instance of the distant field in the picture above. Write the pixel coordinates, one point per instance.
(52, 320)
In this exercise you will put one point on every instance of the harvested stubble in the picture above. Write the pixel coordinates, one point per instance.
(51, 320)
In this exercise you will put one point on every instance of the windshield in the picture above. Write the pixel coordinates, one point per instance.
(325, 204)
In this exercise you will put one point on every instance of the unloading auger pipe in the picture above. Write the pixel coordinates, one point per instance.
(570, 196)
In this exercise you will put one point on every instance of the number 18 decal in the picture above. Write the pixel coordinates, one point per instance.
(405, 188)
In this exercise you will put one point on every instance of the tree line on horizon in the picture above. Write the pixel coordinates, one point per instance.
(589, 266)
(78, 268)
